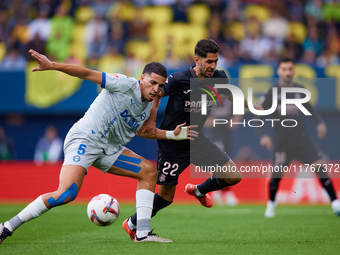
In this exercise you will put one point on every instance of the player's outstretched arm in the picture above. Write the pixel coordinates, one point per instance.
(73, 70)
(181, 132)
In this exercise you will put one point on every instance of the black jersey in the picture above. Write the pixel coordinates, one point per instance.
(184, 89)
(282, 133)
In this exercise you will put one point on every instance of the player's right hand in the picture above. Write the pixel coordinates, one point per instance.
(43, 61)
(266, 142)
(180, 129)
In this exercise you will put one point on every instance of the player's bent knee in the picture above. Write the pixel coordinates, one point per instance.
(64, 198)
(150, 171)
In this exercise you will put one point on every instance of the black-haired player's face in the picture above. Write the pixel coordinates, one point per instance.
(151, 85)
(206, 66)
(286, 71)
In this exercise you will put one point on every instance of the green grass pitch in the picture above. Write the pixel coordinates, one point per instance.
(193, 228)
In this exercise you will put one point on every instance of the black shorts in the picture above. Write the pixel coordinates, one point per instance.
(171, 162)
(301, 147)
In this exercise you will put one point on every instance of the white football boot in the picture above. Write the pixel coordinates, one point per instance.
(336, 207)
(270, 210)
(151, 237)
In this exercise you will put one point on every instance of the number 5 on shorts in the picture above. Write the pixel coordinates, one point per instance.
(81, 149)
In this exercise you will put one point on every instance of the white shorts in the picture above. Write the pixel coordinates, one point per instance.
(82, 151)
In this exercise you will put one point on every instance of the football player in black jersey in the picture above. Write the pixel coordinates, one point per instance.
(292, 142)
(184, 105)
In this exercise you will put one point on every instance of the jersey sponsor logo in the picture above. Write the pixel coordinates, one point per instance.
(143, 116)
(115, 75)
(132, 103)
(76, 158)
(162, 178)
(195, 106)
(127, 117)
(110, 124)
(187, 91)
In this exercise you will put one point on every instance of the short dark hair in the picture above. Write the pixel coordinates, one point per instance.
(205, 46)
(157, 68)
(285, 60)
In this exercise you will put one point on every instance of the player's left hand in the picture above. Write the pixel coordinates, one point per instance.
(321, 129)
(178, 131)
(43, 61)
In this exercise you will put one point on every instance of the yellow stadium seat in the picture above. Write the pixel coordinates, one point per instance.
(140, 49)
(299, 30)
(111, 64)
(83, 14)
(261, 12)
(237, 29)
(124, 11)
(2, 51)
(198, 14)
(159, 15)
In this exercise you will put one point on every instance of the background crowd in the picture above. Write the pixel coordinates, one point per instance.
(122, 35)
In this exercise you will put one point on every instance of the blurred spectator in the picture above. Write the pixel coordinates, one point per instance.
(296, 10)
(138, 28)
(36, 44)
(331, 11)
(58, 43)
(162, 2)
(116, 38)
(217, 6)
(276, 26)
(133, 66)
(309, 57)
(112, 61)
(292, 49)
(96, 36)
(232, 11)
(253, 48)
(228, 56)
(13, 61)
(180, 11)
(101, 6)
(20, 30)
(313, 42)
(6, 146)
(49, 148)
(333, 40)
(327, 58)
(4, 28)
(41, 25)
(313, 9)
(122, 10)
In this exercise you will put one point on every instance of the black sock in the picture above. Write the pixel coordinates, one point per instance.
(158, 204)
(326, 183)
(273, 187)
(212, 184)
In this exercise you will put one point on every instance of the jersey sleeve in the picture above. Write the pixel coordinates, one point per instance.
(117, 82)
(169, 88)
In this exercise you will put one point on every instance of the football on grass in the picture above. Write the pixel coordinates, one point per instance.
(103, 210)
